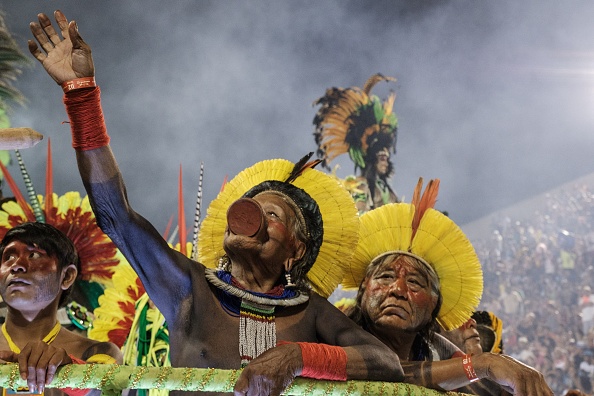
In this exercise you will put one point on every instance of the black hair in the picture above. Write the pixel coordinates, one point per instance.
(50, 239)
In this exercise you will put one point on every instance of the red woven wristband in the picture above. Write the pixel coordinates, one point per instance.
(322, 361)
(86, 119)
(469, 369)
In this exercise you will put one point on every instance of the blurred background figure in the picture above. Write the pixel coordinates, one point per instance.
(351, 120)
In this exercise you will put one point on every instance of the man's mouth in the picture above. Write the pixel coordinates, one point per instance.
(395, 310)
(18, 282)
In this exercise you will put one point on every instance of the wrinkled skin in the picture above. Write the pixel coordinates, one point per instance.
(398, 297)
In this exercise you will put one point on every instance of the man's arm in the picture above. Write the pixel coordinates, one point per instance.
(162, 270)
(451, 374)
(344, 351)
(367, 357)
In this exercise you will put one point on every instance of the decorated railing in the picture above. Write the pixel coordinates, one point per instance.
(113, 378)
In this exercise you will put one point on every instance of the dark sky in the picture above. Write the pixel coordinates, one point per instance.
(495, 98)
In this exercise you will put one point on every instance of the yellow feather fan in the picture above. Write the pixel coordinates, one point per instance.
(339, 215)
(437, 240)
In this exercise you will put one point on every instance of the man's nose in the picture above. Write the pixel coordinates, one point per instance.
(399, 287)
(20, 264)
(469, 323)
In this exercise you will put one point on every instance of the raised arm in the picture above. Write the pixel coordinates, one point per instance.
(68, 61)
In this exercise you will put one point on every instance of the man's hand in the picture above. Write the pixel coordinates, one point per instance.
(513, 375)
(38, 363)
(271, 372)
(65, 58)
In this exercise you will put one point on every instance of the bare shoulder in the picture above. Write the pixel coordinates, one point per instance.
(84, 348)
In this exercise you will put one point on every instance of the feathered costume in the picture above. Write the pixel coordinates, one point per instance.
(351, 120)
(71, 214)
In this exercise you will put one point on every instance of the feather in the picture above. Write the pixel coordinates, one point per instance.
(181, 216)
(168, 227)
(17, 194)
(301, 166)
(225, 180)
(197, 214)
(33, 201)
(423, 202)
(429, 197)
(371, 81)
(49, 181)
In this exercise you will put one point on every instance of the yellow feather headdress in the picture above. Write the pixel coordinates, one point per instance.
(340, 222)
(429, 235)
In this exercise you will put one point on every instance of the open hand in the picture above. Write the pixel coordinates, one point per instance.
(64, 58)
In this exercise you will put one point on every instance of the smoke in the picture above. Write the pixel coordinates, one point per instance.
(493, 98)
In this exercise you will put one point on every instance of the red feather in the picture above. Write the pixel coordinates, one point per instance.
(423, 202)
(181, 220)
(17, 194)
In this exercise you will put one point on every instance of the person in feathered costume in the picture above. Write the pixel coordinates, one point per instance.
(351, 120)
(413, 269)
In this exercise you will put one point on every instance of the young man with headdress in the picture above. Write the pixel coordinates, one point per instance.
(414, 268)
(354, 121)
(275, 229)
(38, 267)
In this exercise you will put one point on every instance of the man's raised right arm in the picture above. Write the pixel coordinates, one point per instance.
(68, 60)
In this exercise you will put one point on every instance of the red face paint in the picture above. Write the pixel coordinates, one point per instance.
(29, 278)
(398, 296)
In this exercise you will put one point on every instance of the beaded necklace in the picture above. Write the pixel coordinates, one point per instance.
(256, 311)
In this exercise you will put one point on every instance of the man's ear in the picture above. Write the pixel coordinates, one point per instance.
(299, 253)
(69, 274)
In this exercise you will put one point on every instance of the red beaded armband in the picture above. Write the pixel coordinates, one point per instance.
(469, 369)
(322, 361)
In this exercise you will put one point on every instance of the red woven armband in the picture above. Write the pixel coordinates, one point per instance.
(86, 119)
(322, 361)
(469, 369)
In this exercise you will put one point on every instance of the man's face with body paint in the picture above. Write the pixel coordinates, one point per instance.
(398, 296)
(29, 277)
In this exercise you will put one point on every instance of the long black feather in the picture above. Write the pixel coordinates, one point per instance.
(302, 165)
